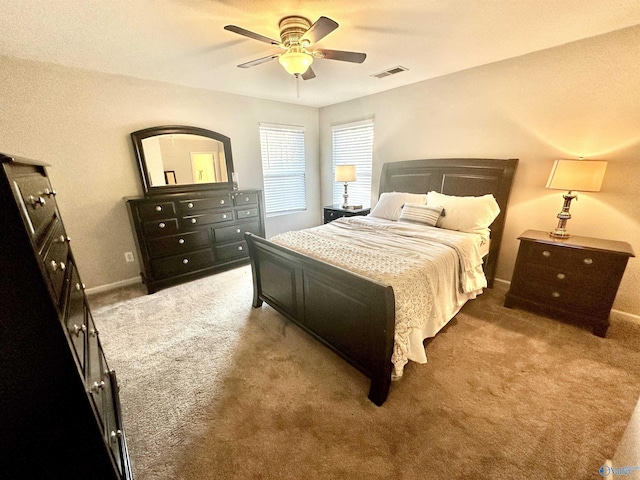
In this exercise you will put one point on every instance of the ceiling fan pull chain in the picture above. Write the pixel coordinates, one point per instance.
(298, 86)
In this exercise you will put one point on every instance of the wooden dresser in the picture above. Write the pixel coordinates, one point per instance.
(185, 236)
(574, 279)
(59, 405)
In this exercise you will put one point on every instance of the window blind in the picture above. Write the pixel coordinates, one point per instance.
(353, 145)
(283, 168)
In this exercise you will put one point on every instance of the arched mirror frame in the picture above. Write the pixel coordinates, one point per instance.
(137, 138)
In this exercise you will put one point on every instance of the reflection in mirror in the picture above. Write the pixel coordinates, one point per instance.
(180, 159)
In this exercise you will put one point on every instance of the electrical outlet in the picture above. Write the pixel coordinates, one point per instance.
(128, 257)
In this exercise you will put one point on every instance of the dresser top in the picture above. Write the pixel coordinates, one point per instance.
(578, 242)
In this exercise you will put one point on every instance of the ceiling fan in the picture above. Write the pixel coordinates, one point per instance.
(297, 35)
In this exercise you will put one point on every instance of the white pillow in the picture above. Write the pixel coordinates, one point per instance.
(465, 214)
(421, 214)
(390, 204)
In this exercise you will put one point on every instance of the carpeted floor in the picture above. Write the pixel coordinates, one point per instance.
(213, 389)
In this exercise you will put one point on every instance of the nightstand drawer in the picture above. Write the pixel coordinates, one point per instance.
(564, 296)
(583, 261)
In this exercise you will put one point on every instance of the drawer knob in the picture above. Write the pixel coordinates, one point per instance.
(158, 208)
(246, 199)
(77, 329)
(115, 435)
(546, 253)
(588, 261)
(555, 294)
(222, 202)
(224, 215)
(93, 332)
(248, 212)
(55, 266)
(97, 387)
(238, 230)
(181, 241)
(36, 201)
(561, 276)
(185, 260)
(331, 214)
(162, 225)
(190, 205)
(240, 248)
(79, 286)
(50, 192)
(193, 220)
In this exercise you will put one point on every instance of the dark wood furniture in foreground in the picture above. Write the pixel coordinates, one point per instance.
(59, 404)
(332, 212)
(184, 236)
(574, 279)
(350, 314)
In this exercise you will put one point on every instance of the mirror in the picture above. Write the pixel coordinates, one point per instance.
(182, 159)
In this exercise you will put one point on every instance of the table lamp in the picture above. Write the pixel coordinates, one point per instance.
(574, 175)
(346, 174)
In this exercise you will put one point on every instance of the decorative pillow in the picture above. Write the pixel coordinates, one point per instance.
(390, 204)
(422, 214)
(465, 214)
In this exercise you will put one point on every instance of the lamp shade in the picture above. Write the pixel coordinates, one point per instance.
(345, 173)
(296, 61)
(579, 175)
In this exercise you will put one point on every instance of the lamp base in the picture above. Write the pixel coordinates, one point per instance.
(563, 217)
(559, 234)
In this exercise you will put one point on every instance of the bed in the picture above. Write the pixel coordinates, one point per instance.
(311, 278)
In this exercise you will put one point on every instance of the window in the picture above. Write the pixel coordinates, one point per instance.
(353, 145)
(283, 166)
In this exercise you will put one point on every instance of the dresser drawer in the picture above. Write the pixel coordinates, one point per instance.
(75, 317)
(167, 226)
(175, 244)
(38, 200)
(97, 370)
(55, 259)
(235, 233)
(246, 213)
(156, 211)
(240, 199)
(584, 262)
(206, 219)
(166, 267)
(197, 204)
(232, 251)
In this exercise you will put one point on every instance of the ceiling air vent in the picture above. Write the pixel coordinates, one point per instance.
(390, 71)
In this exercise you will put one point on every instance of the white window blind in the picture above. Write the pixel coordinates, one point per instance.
(353, 145)
(283, 168)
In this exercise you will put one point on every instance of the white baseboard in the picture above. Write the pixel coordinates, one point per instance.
(629, 317)
(113, 286)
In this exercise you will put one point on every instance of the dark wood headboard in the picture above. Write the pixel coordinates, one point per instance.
(460, 177)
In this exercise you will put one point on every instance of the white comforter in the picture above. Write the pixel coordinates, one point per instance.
(433, 271)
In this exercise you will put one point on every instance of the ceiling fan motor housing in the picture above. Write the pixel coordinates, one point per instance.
(292, 28)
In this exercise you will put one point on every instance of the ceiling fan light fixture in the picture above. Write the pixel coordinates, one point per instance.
(296, 61)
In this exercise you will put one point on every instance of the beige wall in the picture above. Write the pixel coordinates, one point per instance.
(580, 99)
(79, 122)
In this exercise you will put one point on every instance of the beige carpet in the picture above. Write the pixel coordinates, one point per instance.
(213, 389)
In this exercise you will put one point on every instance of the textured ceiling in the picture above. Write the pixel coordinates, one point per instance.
(184, 42)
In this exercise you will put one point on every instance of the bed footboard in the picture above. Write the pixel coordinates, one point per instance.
(350, 314)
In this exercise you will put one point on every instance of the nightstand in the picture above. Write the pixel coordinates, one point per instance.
(332, 212)
(573, 279)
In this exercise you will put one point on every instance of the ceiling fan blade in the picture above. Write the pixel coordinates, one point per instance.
(250, 34)
(343, 56)
(309, 74)
(258, 61)
(320, 29)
